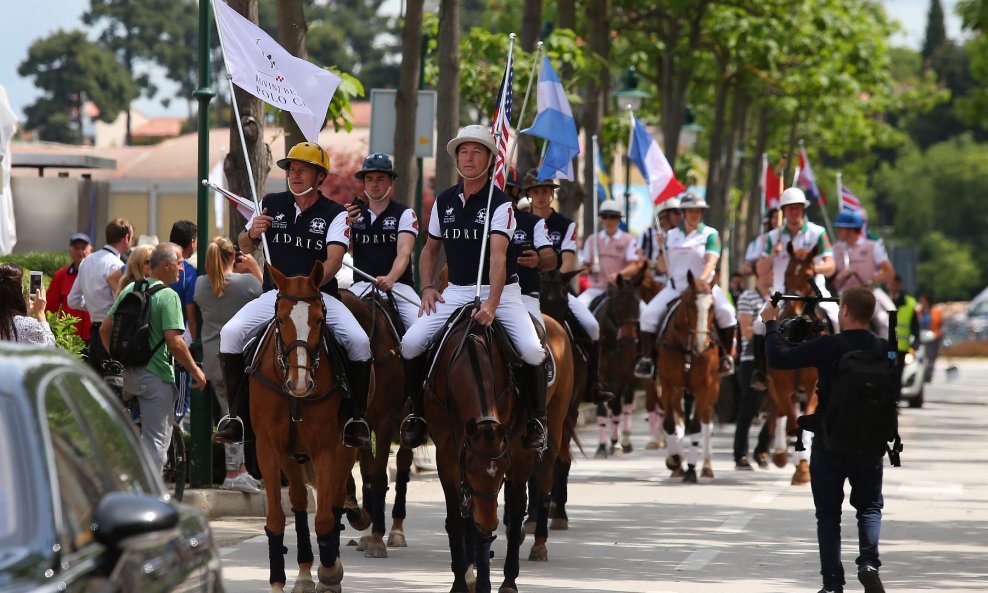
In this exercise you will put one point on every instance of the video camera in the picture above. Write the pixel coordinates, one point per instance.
(806, 325)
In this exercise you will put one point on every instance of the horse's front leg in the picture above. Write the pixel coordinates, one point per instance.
(672, 401)
(516, 500)
(299, 497)
(396, 538)
(333, 465)
(274, 525)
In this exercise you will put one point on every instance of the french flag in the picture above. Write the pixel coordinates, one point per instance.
(850, 201)
(655, 168)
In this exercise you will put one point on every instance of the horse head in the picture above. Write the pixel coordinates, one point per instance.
(648, 287)
(622, 307)
(299, 319)
(800, 272)
(483, 462)
(554, 293)
(698, 302)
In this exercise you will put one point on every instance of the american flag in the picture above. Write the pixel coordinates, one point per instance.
(849, 201)
(500, 127)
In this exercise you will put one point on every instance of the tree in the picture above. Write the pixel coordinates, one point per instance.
(936, 32)
(69, 69)
(447, 89)
(406, 101)
(292, 34)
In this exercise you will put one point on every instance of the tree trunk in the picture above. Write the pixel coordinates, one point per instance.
(292, 33)
(567, 13)
(598, 41)
(406, 103)
(718, 138)
(531, 23)
(570, 194)
(753, 225)
(252, 119)
(527, 150)
(448, 94)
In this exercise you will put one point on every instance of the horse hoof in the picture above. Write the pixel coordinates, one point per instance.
(616, 450)
(330, 579)
(601, 452)
(707, 472)
(652, 445)
(359, 519)
(559, 524)
(352, 542)
(529, 527)
(507, 589)
(539, 553)
(627, 448)
(396, 539)
(677, 472)
(780, 459)
(802, 474)
(376, 550)
(690, 476)
(362, 545)
(304, 586)
(674, 462)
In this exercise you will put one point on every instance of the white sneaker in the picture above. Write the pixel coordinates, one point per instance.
(241, 483)
(259, 484)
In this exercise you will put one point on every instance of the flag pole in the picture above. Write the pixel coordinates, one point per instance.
(596, 216)
(373, 281)
(484, 240)
(763, 190)
(536, 73)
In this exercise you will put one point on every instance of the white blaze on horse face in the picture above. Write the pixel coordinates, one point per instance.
(703, 304)
(300, 319)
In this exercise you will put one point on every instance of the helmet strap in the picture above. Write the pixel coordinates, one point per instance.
(301, 193)
(490, 161)
(382, 196)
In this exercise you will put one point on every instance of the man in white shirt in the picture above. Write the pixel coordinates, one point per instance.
(93, 291)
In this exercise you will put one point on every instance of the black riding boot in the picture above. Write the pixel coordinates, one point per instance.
(645, 367)
(725, 336)
(234, 426)
(535, 386)
(759, 379)
(598, 388)
(356, 432)
(414, 428)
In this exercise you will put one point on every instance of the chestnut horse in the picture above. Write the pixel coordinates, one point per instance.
(295, 409)
(618, 317)
(476, 420)
(788, 389)
(688, 368)
(385, 410)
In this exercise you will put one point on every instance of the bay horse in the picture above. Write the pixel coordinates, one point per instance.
(385, 410)
(295, 410)
(617, 315)
(476, 420)
(688, 368)
(787, 389)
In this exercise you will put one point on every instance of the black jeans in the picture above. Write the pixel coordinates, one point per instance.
(96, 353)
(748, 406)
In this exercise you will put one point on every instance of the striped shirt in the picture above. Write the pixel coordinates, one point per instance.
(750, 301)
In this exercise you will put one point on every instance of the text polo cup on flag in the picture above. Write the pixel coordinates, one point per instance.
(653, 164)
(261, 67)
(554, 122)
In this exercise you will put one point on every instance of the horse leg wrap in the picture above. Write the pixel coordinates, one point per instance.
(482, 558)
(329, 543)
(457, 537)
(602, 429)
(560, 487)
(276, 557)
(401, 491)
(615, 428)
(304, 555)
(653, 424)
(542, 517)
(511, 565)
(626, 416)
(780, 434)
(694, 451)
(708, 431)
(377, 509)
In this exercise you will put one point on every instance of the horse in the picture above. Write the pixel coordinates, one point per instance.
(653, 405)
(787, 389)
(476, 421)
(385, 409)
(688, 367)
(295, 410)
(618, 317)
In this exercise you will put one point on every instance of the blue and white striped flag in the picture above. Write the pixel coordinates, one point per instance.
(554, 122)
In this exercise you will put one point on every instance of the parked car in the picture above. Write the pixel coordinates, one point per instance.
(81, 506)
(913, 371)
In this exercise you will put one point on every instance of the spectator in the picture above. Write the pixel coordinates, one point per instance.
(750, 302)
(931, 318)
(907, 324)
(138, 267)
(230, 282)
(22, 319)
(154, 384)
(735, 287)
(93, 290)
(61, 284)
(184, 234)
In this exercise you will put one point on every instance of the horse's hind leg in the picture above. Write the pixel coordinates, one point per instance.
(560, 494)
(602, 413)
(693, 434)
(396, 538)
(708, 430)
(616, 411)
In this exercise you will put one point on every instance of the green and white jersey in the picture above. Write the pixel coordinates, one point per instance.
(809, 235)
(686, 252)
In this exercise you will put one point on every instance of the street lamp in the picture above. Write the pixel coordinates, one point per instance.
(631, 97)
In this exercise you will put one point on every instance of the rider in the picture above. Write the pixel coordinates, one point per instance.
(456, 226)
(692, 246)
(756, 247)
(862, 261)
(618, 253)
(670, 216)
(382, 237)
(533, 251)
(562, 233)
(302, 227)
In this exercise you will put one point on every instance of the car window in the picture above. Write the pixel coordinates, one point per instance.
(9, 524)
(980, 308)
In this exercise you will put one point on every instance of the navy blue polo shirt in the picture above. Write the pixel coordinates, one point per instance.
(530, 234)
(375, 239)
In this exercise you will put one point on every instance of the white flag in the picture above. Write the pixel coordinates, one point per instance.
(8, 125)
(260, 66)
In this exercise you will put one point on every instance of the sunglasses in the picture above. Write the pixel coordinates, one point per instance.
(611, 216)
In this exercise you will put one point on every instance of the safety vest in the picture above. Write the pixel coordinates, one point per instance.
(903, 318)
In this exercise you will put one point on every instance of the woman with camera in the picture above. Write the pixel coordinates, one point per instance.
(232, 279)
(22, 318)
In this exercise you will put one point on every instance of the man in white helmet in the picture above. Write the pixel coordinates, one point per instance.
(456, 226)
(617, 253)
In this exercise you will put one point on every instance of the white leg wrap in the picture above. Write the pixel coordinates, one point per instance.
(674, 446)
(694, 450)
(804, 455)
(602, 430)
(626, 417)
(653, 424)
(708, 431)
(779, 442)
(615, 427)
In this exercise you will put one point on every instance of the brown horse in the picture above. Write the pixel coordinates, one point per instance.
(788, 389)
(295, 409)
(385, 409)
(688, 368)
(476, 421)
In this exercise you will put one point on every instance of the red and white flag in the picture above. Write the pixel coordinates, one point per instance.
(849, 201)
(500, 126)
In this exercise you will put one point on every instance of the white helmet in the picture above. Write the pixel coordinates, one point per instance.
(608, 207)
(793, 195)
(472, 133)
(670, 204)
(524, 204)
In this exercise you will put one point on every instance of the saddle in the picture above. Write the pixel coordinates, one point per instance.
(597, 302)
(577, 335)
(395, 326)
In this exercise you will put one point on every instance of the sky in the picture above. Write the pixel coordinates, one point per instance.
(22, 26)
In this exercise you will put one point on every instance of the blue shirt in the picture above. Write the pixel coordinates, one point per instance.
(186, 287)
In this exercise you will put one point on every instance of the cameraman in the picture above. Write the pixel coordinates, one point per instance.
(829, 469)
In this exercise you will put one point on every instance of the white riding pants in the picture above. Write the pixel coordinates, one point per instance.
(534, 309)
(408, 312)
(656, 309)
(584, 317)
(233, 336)
(587, 296)
(511, 312)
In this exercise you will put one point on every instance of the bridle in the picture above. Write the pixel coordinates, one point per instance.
(281, 349)
(625, 327)
(467, 492)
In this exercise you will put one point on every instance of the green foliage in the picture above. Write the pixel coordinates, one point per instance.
(66, 335)
(67, 68)
(947, 267)
(936, 32)
(46, 261)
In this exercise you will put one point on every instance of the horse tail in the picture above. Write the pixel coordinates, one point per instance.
(309, 473)
(570, 435)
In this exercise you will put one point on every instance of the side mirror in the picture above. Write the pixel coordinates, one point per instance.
(125, 521)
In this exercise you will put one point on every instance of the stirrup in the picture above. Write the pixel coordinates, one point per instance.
(226, 424)
(358, 441)
(725, 367)
(535, 443)
(407, 429)
(758, 381)
(601, 395)
(645, 368)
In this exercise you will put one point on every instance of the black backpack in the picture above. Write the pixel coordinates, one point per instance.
(130, 342)
(861, 415)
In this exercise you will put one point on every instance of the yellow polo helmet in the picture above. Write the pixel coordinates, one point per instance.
(307, 152)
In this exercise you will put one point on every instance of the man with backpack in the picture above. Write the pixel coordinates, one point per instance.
(143, 330)
(854, 421)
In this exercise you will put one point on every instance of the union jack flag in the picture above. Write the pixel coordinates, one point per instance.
(500, 126)
(849, 201)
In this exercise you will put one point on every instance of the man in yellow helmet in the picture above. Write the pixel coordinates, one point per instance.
(302, 227)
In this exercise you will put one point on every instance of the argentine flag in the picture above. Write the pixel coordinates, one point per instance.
(554, 122)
